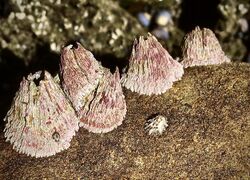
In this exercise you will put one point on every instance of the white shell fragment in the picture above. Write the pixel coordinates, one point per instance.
(106, 107)
(41, 121)
(151, 69)
(201, 47)
(156, 125)
(80, 73)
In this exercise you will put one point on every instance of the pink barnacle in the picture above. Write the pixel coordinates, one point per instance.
(80, 73)
(201, 47)
(30, 127)
(106, 106)
(95, 93)
(151, 69)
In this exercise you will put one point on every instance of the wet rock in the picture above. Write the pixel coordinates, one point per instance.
(208, 114)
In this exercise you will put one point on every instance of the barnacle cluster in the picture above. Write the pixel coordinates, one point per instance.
(95, 92)
(46, 111)
(45, 116)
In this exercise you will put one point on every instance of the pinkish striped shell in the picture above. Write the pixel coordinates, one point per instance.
(80, 73)
(41, 121)
(96, 94)
(151, 69)
(106, 106)
(201, 47)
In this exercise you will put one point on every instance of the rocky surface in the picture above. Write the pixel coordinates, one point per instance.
(102, 26)
(208, 135)
(108, 27)
(233, 27)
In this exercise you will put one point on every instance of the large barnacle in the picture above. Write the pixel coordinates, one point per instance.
(201, 47)
(41, 120)
(95, 92)
(151, 69)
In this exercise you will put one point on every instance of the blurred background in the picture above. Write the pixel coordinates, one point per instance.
(32, 33)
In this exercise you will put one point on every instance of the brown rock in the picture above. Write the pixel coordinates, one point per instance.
(208, 135)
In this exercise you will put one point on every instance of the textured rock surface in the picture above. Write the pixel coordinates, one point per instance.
(234, 22)
(101, 26)
(106, 28)
(207, 138)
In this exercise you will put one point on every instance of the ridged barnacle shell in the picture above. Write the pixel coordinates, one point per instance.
(41, 121)
(80, 73)
(106, 106)
(151, 69)
(95, 92)
(201, 47)
(156, 125)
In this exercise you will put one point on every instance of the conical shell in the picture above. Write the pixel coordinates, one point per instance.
(96, 94)
(106, 106)
(80, 73)
(201, 47)
(151, 69)
(41, 121)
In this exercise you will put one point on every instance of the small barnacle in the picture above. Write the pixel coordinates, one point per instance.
(201, 47)
(80, 73)
(106, 107)
(40, 107)
(151, 69)
(156, 125)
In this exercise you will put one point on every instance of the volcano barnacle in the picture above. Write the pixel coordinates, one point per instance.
(41, 121)
(106, 106)
(80, 73)
(95, 92)
(201, 47)
(151, 69)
